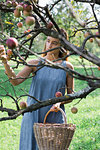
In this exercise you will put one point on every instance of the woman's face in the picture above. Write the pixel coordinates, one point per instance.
(52, 43)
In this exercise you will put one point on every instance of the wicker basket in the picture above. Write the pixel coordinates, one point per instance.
(54, 136)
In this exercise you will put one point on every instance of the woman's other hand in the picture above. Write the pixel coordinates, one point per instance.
(55, 106)
(3, 54)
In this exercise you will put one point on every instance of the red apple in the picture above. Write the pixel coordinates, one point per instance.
(86, 34)
(19, 7)
(29, 8)
(26, 13)
(29, 30)
(29, 36)
(30, 20)
(12, 43)
(25, 32)
(23, 105)
(50, 25)
(25, 6)
(81, 57)
(74, 110)
(91, 40)
(58, 94)
(17, 13)
(97, 33)
(19, 24)
(9, 52)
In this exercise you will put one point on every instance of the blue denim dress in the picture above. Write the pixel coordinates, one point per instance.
(45, 84)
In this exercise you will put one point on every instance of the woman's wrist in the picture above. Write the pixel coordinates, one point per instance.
(4, 61)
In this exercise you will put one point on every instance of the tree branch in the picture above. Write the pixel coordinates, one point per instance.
(70, 97)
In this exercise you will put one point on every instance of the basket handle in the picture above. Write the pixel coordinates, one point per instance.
(52, 110)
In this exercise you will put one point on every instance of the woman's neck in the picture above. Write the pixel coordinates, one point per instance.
(51, 57)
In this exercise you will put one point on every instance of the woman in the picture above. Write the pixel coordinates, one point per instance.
(45, 84)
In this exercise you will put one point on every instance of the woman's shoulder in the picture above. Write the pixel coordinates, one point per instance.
(68, 64)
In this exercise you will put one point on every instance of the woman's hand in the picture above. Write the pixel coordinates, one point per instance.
(55, 106)
(3, 54)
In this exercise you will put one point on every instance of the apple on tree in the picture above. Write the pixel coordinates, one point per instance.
(17, 13)
(19, 7)
(27, 7)
(30, 20)
(28, 30)
(86, 34)
(50, 25)
(19, 24)
(29, 36)
(25, 32)
(12, 43)
(58, 94)
(97, 33)
(23, 105)
(26, 13)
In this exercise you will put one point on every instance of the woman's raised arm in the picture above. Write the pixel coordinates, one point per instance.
(22, 75)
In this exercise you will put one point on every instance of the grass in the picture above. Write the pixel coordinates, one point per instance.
(87, 119)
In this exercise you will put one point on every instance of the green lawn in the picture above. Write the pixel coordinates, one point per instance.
(87, 120)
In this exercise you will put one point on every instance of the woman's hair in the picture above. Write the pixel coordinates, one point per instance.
(63, 51)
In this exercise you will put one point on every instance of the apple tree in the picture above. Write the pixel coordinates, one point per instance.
(26, 21)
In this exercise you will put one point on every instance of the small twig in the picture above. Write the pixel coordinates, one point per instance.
(29, 96)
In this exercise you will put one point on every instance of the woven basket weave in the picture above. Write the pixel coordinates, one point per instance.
(54, 136)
